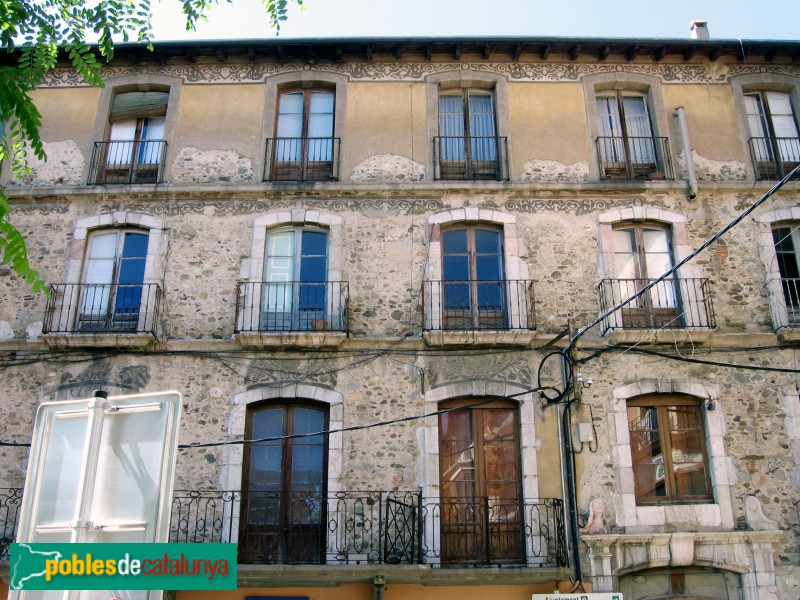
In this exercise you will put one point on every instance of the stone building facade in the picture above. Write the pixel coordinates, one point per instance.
(387, 241)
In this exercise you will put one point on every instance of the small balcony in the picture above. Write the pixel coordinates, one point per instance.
(784, 300)
(773, 158)
(373, 527)
(302, 159)
(127, 162)
(10, 504)
(478, 305)
(470, 158)
(670, 304)
(634, 158)
(305, 313)
(94, 309)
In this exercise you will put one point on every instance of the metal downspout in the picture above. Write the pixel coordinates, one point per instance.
(691, 174)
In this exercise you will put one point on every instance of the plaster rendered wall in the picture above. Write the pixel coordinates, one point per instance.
(388, 118)
(547, 123)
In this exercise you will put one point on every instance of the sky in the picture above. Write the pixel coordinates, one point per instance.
(727, 19)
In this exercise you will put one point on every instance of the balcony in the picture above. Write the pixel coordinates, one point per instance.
(671, 304)
(102, 313)
(772, 157)
(303, 313)
(357, 528)
(481, 308)
(634, 158)
(10, 503)
(350, 528)
(470, 158)
(302, 159)
(127, 162)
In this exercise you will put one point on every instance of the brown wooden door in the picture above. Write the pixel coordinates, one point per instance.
(481, 504)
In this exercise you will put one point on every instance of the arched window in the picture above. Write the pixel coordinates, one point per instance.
(295, 295)
(473, 286)
(668, 448)
(480, 482)
(113, 278)
(284, 479)
(643, 252)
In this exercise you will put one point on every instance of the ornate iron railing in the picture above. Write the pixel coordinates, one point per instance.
(372, 528)
(10, 502)
(774, 157)
(484, 531)
(478, 305)
(302, 159)
(102, 308)
(672, 303)
(127, 161)
(634, 158)
(291, 306)
(473, 157)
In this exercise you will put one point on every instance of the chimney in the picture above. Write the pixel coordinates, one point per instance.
(699, 30)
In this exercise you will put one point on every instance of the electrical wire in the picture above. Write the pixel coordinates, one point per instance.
(686, 259)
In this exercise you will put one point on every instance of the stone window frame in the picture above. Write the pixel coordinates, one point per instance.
(305, 79)
(428, 440)
(769, 258)
(760, 82)
(230, 478)
(465, 79)
(155, 262)
(646, 518)
(606, 268)
(514, 266)
(252, 268)
(136, 83)
(648, 86)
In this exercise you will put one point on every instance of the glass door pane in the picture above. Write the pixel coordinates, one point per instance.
(277, 303)
(130, 277)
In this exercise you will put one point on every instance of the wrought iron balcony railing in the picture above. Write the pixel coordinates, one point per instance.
(478, 305)
(373, 527)
(773, 157)
(10, 503)
(291, 306)
(345, 528)
(634, 158)
(102, 308)
(302, 159)
(122, 162)
(475, 157)
(672, 303)
(785, 301)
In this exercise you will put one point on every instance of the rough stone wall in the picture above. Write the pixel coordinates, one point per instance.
(388, 167)
(64, 165)
(193, 165)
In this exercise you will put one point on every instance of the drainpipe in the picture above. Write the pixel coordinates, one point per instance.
(680, 114)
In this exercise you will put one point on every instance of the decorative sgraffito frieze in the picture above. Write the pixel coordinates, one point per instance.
(40, 208)
(262, 371)
(227, 208)
(577, 206)
(103, 374)
(417, 71)
(503, 368)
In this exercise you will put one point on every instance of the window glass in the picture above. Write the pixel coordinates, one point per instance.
(668, 449)
(481, 485)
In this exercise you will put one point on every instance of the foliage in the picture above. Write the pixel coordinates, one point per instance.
(39, 33)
